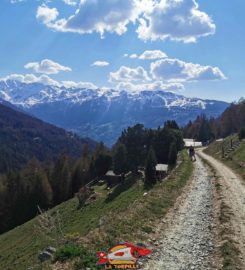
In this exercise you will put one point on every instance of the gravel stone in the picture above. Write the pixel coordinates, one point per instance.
(187, 243)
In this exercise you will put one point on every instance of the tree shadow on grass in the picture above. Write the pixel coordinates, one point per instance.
(123, 186)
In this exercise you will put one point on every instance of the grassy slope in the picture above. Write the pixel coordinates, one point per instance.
(129, 216)
(237, 157)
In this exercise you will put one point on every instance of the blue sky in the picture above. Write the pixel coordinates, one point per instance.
(193, 47)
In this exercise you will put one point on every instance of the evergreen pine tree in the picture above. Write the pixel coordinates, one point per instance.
(91, 169)
(171, 124)
(37, 189)
(241, 133)
(65, 185)
(172, 156)
(61, 180)
(150, 168)
(120, 159)
(81, 173)
(102, 164)
(77, 176)
(5, 214)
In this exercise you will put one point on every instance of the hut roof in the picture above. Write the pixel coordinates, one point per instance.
(191, 142)
(161, 167)
(188, 140)
(110, 173)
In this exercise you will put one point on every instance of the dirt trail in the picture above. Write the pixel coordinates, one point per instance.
(185, 240)
(233, 192)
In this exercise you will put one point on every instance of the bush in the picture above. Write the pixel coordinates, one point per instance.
(83, 194)
(69, 251)
(87, 258)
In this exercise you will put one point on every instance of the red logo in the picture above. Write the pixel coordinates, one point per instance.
(122, 255)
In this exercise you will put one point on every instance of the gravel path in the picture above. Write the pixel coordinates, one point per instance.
(233, 192)
(187, 241)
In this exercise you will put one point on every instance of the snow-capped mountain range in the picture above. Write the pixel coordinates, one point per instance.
(102, 114)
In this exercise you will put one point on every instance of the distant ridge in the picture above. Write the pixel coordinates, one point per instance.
(102, 114)
(23, 137)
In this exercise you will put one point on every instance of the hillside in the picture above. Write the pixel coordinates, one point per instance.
(231, 121)
(98, 225)
(102, 114)
(234, 154)
(23, 137)
(10, 105)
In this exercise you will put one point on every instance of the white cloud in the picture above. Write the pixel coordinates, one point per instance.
(154, 86)
(70, 2)
(165, 74)
(174, 70)
(47, 15)
(16, 1)
(100, 64)
(179, 20)
(126, 74)
(46, 80)
(31, 78)
(151, 55)
(166, 71)
(148, 55)
(93, 16)
(47, 66)
(133, 56)
(72, 84)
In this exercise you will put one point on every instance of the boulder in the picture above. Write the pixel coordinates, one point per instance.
(51, 250)
(45, 256)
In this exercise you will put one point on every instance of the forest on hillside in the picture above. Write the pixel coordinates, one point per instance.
(23, 137)
(46, 183)
(204, 129)
(36, 172)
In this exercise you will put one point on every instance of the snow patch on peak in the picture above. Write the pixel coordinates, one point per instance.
(184, 102)
(31, 94)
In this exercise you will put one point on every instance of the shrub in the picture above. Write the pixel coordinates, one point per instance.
(87, 258)
(83, 194)
(68, 251)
